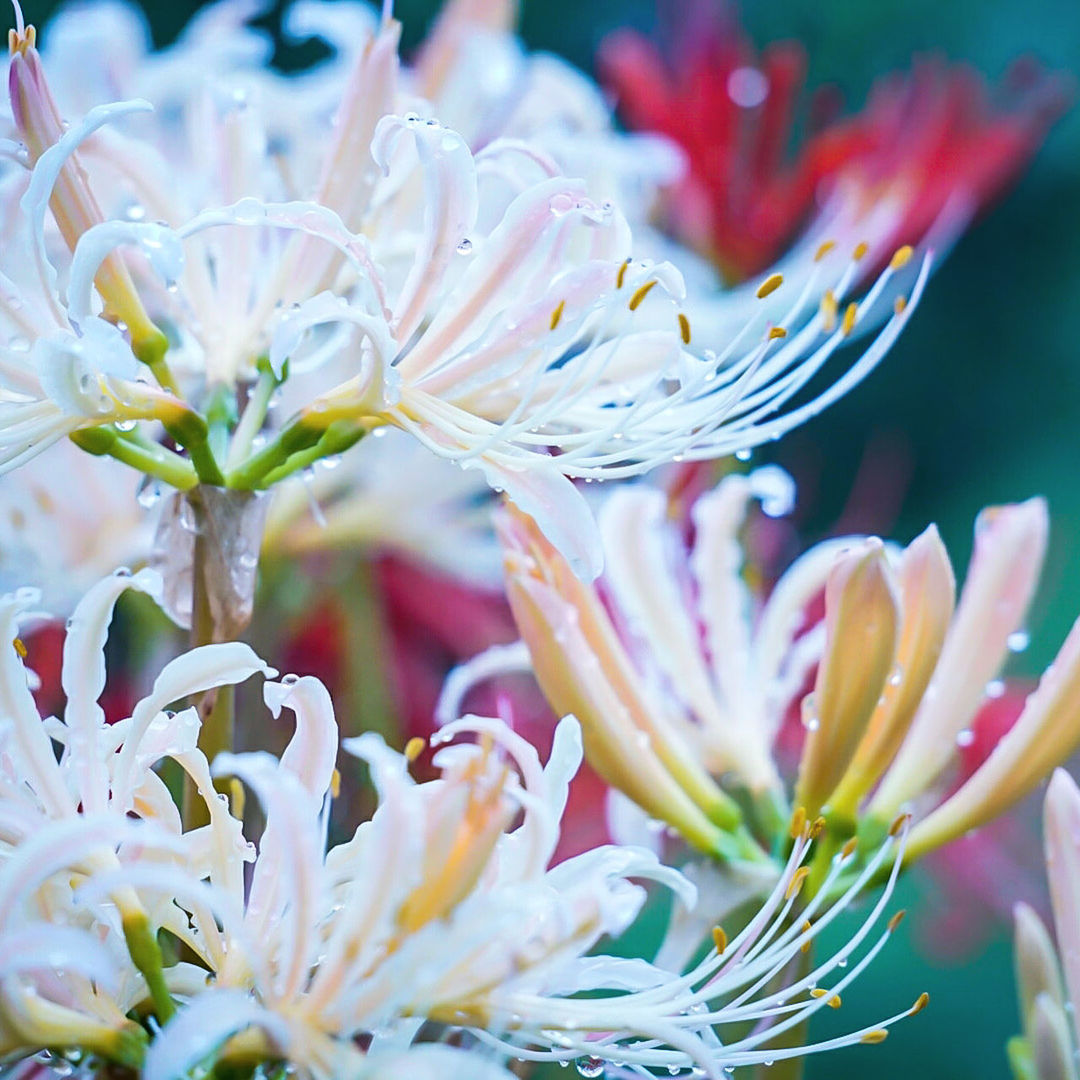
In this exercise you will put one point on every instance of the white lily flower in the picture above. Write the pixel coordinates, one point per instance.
(442, 908)
(525, 340)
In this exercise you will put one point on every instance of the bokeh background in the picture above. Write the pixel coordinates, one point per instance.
(978, 403)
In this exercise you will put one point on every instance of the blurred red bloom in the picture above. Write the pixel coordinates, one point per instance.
(933, 138)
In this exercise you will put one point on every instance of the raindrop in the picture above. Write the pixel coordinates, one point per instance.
(126, 425)
(465, 247)
(289, 680)
(590, 1066)
(744, 454)
(965, 737)
(149, 493)
(331, 462)
(995, 688)
(1019, 641)
(122, 571)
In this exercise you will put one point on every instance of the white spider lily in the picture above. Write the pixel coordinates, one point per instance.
(524, 340)
(442, 907)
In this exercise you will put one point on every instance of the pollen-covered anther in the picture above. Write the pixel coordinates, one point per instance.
(719, 940)
(849, 848)
(20, 648)
(798, 823)
(640, 293)
(236, 798)
(796, 882)
(414, 748)
(684, 328)
(860, 251)
(819, 992)
(878, 1035)
(824, 250)
(777, 332)
(829, 310)
(22, 38)
(898, 825)
(335, 784)
(817, 827)
(896, 920)
(848, 323)
(807, 945)
(899, 304)
(620, 277)
(770, 285)
(901, 257)
(556, 315)
(920, 1003)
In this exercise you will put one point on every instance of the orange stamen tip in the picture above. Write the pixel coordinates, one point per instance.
(829, 308)
(848, 323)
(335, 784)
(920, 1003)
(878, 1035)
(798, 823)
(684, 328)
(818, 992)
(901, 257)
(805, 929)
(414, 748)
(770, 285)
(777, 332)
(640, 293)
(796, 882)
(896, 920)
(817, 827)
(20, 648)
(835, 1002)
(900, 304)
(719, 940)
(849, 848)
(556, 315)
(898, 825)
(824, 250)
(860, 250)
(620, 277)
(21, 40)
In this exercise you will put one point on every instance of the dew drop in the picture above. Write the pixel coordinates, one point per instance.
(744, 454)
(126, 425)
(465, 247)
(995, 688)
(590, 1067)
(1019, 641)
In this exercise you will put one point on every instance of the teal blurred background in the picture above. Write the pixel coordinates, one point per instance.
(981, 396)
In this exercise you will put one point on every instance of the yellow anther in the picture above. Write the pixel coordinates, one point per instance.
(829, 309)
(770, 285)
(848, 323)
(899, 304)
(898, 825)
(835, 1002)
(818, 992)
(719, 940)
(236, 798)
(860, 250)
(640, 293)
(684, 328)
(896, 920)
(878, 1035)
(817, 827)
(807, 944)
(414, 748)
(798, 823)
(556, 315)
(796, 882)
(776, 332)
(20, 42)
(920, 1003)
(20, 648)
(620, 277)
(824, 250)
(901, 257)
(849, 848)
(335, 783)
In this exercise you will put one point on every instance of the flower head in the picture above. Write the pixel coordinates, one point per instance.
(933, 143)
(443, 907)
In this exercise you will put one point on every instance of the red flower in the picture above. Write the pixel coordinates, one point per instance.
(932, 138)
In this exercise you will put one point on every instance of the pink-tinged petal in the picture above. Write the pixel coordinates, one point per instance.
(459, 22)
(1051, 1044)
(927, 591)
(862, 615)
(1010, 542)
(1045, 735)
(557, 507)
(312, 750)
(1037, 967)
(1062, 832)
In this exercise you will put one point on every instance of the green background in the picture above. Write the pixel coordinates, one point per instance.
(983, 390)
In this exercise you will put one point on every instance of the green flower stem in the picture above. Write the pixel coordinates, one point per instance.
(221, 419)
(300, 433)
(192, 432)
(146, 956)
(147, 457)
(338, 437)
(151, 350)
(251, 420)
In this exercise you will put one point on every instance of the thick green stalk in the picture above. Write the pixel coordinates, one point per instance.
(147, 457)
